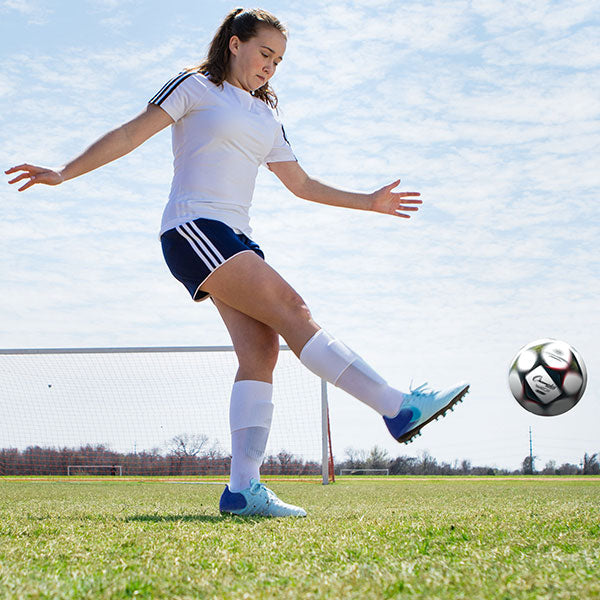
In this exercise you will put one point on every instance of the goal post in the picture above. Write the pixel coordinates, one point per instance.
(150, 411)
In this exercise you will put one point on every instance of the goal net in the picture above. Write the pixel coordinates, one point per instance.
(148, 411)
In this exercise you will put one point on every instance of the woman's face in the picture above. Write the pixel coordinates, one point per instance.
(253, 63)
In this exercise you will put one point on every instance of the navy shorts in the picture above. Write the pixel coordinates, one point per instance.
(195, 249)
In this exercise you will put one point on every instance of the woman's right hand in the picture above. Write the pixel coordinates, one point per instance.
(35, 175)
(110, 146)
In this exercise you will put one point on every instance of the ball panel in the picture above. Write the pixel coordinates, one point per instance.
(534, 407)
(572, 383)
(557, 355)
(516, 385)
(526, 360)
(561, 406)
(542, 385)
(582, 369)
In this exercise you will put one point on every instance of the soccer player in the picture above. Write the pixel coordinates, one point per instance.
(224, 127)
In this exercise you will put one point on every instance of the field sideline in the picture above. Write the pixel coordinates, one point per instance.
(390, 537)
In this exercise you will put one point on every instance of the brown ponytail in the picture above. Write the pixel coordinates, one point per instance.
(244, 24)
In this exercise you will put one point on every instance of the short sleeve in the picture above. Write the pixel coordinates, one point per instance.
(179, 95)
(282, 150)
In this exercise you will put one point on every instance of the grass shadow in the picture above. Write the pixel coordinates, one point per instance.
(194, 518)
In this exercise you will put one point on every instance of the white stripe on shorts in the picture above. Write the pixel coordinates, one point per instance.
(217, 254)
(199, 248)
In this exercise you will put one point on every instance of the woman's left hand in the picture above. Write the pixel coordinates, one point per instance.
(394, 203)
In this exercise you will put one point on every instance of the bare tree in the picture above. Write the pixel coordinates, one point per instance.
(285, 460)
(527, 465)
(355, 459)
(403, 465)
(378, 458)
(590, 464)
(568, 469)
(428, 465)
(184, 444)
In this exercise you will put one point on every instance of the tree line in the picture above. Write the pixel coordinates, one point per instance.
(189, 455)
(186, 455)
(425, 464)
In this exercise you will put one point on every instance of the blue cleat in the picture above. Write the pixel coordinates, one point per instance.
(257, 500)
(420, 407)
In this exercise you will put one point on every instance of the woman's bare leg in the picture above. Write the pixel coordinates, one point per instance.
(249, 285)
(256, 345)
(251, 407)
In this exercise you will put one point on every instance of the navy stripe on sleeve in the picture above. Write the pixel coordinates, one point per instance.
(168, 88)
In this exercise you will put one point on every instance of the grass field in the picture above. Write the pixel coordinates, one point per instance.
(364, 538)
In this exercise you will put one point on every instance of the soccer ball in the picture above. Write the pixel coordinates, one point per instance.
(547, 377)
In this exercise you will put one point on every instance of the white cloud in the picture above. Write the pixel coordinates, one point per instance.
(499, 17)
(110, 5)
(36, 12)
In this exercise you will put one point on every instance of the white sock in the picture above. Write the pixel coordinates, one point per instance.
(250, 414)
(245, 464)
(333, 361)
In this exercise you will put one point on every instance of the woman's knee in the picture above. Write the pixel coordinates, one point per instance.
(293, 308)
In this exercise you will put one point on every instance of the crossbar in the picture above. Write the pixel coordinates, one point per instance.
(132, 350)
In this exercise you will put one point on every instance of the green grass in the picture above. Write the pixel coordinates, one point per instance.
(391, 538)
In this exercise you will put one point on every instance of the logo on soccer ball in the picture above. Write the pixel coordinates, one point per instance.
(547, 377)
(542, 385)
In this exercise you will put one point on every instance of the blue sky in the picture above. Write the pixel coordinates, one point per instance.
(490, 109)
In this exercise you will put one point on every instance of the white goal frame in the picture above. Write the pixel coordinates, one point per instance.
(326, 456)
(364, 471)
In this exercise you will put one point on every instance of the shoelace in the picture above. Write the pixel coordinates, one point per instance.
(422, 390)
(257, 487)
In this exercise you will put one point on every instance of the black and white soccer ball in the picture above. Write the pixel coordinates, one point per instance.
(547, 377)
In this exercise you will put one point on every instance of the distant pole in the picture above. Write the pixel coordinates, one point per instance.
(530, 451)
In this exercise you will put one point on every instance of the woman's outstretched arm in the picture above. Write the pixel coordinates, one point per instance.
(109, 147)
(383, 200)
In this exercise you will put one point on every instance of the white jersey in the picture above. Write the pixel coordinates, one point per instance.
(220, 137)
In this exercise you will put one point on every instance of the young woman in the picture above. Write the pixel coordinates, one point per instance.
(223, 128)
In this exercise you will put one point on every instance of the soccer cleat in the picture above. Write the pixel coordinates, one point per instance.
(257, 500)
(420, 407)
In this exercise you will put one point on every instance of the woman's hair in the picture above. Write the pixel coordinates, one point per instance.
(244, 24)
